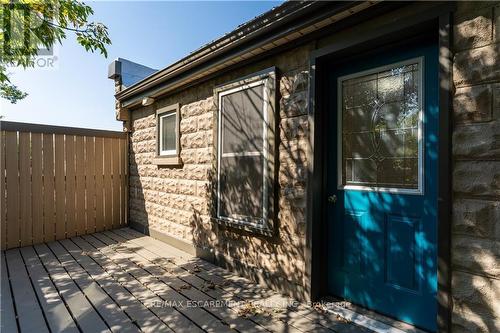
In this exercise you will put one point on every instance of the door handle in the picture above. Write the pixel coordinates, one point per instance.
(332, 199)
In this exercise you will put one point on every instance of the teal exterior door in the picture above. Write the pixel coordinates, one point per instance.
(382, 182)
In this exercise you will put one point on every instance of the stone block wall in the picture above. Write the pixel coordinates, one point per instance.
(177, 200)
(169, 198)
(476, 168)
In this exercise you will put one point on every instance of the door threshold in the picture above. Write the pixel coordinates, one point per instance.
(373, 321)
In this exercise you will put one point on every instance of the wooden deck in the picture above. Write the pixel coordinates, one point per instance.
(123, 281)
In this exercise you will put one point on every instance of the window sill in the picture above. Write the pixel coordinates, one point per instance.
(167, 160)
(264, 231)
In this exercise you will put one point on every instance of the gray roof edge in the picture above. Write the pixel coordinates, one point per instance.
(269, 19)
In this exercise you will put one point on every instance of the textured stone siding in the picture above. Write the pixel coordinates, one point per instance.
(476, 171)
(177, 200)
(169, 198)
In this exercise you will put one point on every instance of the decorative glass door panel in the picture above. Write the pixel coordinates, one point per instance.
(380, 126)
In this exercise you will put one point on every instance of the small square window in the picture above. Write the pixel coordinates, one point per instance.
(167, 143)
(167, 134)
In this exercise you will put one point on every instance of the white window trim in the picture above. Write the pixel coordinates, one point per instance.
(161, 151)
(265, 153)
(420, 136)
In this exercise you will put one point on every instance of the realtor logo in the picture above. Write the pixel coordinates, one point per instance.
(20, 45)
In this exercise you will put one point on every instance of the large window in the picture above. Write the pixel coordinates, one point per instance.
(245, 152)
(380, 128)
(167, 144)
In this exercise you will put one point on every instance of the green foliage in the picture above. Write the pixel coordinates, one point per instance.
(11, 93)
(27, 25)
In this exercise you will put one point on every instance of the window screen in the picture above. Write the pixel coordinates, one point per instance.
(242, 154)
(241, 188)
(380, 127)
(242, 121)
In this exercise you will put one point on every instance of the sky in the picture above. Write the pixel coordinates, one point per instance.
(76, 92)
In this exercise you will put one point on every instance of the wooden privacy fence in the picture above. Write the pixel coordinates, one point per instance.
(59, 182)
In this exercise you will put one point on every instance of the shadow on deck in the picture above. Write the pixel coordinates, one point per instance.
(123, 281)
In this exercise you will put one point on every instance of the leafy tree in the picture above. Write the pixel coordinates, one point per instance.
(27, 25)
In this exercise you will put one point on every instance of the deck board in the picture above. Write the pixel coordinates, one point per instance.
(198, 316)
(302, 317)
(123, 281)
(190, 277)
(247, 291)
(114, 317)
(8, 314)
(171, 317)
(145, 319)
(29, 313)
(176, 279)
(58, 316)
(86, 316)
